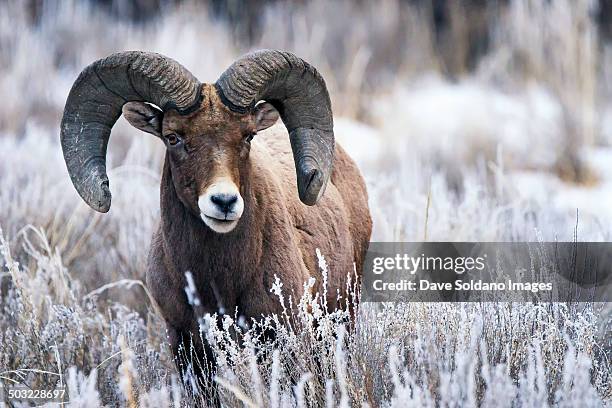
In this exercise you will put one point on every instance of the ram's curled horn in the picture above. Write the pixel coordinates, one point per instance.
(299, 93)
(94, 105)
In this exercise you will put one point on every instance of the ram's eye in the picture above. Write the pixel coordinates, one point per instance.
(249, 137)
(172, 139)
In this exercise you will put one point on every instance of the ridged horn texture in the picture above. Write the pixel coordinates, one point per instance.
(94, 105)
(298, 92)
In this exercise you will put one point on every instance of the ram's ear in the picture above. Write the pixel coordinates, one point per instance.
(265, 115)
(144, 116)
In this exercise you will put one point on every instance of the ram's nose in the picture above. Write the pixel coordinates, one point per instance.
(221, 205)
(224, 202)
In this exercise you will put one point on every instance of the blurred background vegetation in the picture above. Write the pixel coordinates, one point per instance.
(363, 48)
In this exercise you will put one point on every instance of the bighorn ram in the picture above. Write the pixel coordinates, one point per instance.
(230, 212)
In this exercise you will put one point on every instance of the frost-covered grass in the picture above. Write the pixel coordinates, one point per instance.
(394, 355)
(483, 158)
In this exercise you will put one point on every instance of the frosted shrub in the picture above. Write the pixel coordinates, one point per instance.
(424, 354)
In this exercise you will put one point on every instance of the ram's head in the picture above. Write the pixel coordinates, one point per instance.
(207, 128)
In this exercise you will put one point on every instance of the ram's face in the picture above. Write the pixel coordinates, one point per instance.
(208, 153)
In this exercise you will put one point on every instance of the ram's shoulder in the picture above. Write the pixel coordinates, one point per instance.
(272, 149)
(274, 140)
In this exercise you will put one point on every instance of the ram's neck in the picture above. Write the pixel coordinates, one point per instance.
(189, 245)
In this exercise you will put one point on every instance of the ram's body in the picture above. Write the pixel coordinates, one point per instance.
(277, 235)
(237, 210)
